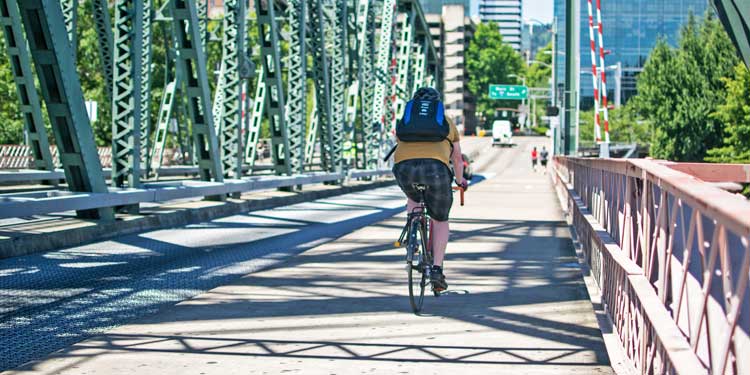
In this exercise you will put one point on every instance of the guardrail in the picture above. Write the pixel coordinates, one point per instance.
(54, 201)
(31, 175)
(671, 256)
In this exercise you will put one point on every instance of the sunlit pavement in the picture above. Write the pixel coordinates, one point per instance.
(517, 302)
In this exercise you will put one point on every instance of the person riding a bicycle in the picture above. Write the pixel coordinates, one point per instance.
(427, 142)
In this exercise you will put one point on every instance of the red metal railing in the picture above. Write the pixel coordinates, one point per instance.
(671, 255)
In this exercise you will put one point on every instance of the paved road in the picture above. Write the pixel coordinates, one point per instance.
(340, 307)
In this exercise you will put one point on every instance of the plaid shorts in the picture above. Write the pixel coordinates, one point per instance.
(436, 176)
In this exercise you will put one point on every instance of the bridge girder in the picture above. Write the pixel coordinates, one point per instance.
(354, 95)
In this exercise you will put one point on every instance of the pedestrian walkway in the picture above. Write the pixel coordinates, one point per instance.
(517, 302)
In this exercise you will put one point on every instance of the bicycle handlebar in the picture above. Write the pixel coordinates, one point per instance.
(460, 189)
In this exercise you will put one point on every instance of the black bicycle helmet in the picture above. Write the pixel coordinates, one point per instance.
(426, 93)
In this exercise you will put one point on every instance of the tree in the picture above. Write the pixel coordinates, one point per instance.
(539, 75)
(625, 126)
(490, 61)
(735, 112)
(11, 122)
(679, 89)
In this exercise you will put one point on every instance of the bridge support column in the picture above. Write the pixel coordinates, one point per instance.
(191, 67)
(274, 93)
(23, 76)
(51, 51)
(126, 94)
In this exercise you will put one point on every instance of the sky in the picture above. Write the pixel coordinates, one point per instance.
(541, 10)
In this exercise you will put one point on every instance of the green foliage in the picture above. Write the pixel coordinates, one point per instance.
(490, 61)
(624, 127)
(11, 122)
(540, 130)
(91, 74)
(539, 75)
(735, 112)
(679, 90)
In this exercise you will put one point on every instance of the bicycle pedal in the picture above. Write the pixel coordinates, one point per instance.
(397, 244)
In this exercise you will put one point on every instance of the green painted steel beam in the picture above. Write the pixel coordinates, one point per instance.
(268, 33)
(256, 118)
(202, 8)
(70, 15)
(370, 124)
(23, 77)
(381, 105)
(162, 125)
(145, 124)
(735, 16)
(403, 62)
(126, 93)
(383, 56)
(229, 115)
(61, 89)
(322, 79)
(191, 65)
(296, 13)
(338, 13)
(312, 133)
(103, 25)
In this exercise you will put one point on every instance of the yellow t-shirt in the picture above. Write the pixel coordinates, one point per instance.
(428, 150)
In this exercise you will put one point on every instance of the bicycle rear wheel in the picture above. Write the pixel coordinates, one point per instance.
(416, 269)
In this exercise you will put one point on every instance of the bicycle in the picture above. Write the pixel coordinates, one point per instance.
(417, 233)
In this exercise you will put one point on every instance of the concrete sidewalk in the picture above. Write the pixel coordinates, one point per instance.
(518, 303)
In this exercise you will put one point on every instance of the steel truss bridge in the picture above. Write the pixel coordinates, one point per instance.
(666, 247)
(364, 58)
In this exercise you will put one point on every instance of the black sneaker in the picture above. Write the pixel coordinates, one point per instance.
(438, 279)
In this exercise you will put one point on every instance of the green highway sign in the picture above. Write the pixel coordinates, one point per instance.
(509, 92)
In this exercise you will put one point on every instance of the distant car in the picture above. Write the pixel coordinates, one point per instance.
(502, 133)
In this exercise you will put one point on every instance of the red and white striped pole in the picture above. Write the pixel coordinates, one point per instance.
(594, 75)
(602, 70)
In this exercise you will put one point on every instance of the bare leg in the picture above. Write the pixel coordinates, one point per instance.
(440, 234)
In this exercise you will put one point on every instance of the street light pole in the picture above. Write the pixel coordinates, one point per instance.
(523, 101)
(571, 75)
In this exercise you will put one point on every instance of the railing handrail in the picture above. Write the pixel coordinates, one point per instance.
(691, 243)
(721, 205)
(45, 202)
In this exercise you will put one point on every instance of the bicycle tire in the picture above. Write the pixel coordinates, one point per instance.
(416, 273)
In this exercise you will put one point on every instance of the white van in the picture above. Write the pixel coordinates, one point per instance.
(502, 133)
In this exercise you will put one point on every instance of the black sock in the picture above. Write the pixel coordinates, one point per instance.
(437, 268)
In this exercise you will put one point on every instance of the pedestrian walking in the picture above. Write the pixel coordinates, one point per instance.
(534, 157)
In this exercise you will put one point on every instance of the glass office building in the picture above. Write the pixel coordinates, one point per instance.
(631, 29)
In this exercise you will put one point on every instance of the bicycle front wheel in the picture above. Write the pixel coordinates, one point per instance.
(416, 269)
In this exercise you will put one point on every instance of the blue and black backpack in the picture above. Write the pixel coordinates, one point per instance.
(423, 121)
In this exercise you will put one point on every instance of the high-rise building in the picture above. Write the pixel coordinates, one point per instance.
(507, 14)
(631, 29)
(451, 30)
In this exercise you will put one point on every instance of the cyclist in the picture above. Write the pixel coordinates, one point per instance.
(427, 163)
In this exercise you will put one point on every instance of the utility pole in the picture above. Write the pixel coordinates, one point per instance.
(618, 84)
(571, 77)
